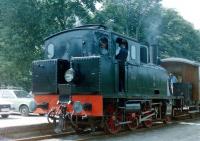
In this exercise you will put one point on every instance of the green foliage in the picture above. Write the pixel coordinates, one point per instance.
(150, 23)
(24, 25)
(178, 37)
(126, 16)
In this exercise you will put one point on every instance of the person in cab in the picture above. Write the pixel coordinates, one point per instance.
(121, 56)
(104, 45)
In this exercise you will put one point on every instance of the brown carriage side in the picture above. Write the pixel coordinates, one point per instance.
(186, 71)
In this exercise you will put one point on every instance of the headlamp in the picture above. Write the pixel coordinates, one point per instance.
(78, 107)
(69, 75)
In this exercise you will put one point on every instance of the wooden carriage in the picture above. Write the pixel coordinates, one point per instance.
(186, 71)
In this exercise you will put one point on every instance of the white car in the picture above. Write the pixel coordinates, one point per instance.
(5, 108)
(21, 100)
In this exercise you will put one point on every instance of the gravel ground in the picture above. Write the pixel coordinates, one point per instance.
(184, 131)
(179, 131)
(18, 120)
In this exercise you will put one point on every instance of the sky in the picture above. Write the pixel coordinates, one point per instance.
(188, 9)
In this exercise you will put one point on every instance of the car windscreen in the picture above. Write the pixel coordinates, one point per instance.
(22, 94)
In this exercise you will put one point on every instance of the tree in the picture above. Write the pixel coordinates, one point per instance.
(152, 24)
(178, 38)
(126, 16)
(24, 25)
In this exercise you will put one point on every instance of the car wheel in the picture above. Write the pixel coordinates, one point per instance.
(24, 110)
(4, 116)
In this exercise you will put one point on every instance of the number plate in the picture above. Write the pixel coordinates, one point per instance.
(5, 109)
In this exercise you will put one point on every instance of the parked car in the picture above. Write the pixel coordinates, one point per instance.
(22, 101)
(5, 108)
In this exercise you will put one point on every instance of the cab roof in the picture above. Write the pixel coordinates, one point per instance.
(89, 27)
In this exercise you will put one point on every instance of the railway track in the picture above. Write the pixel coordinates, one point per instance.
(71, 135)
(87, 136)
(48, 136)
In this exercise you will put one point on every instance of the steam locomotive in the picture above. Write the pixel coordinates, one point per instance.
(78, 84)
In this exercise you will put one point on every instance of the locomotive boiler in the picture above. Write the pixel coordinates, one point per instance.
(84, 85)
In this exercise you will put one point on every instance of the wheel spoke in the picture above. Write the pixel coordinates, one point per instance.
(148, 123)
(134, 122)
(112, 120)
(111, 126)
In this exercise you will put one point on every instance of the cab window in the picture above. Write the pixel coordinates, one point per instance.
(121, 49)
(133, 52)
(143, 54)
(103, 45)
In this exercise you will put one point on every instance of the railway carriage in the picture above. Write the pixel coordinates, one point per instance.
(84, 81)
(186, 90)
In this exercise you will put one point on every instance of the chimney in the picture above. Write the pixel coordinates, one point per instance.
(153, 54)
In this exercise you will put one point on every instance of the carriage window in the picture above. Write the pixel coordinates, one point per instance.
(143, 54)
(103, 44)
(133, 52)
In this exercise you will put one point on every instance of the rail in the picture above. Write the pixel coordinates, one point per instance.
(86, 136)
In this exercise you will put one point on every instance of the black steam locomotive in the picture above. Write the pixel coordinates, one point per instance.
(84, 83)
